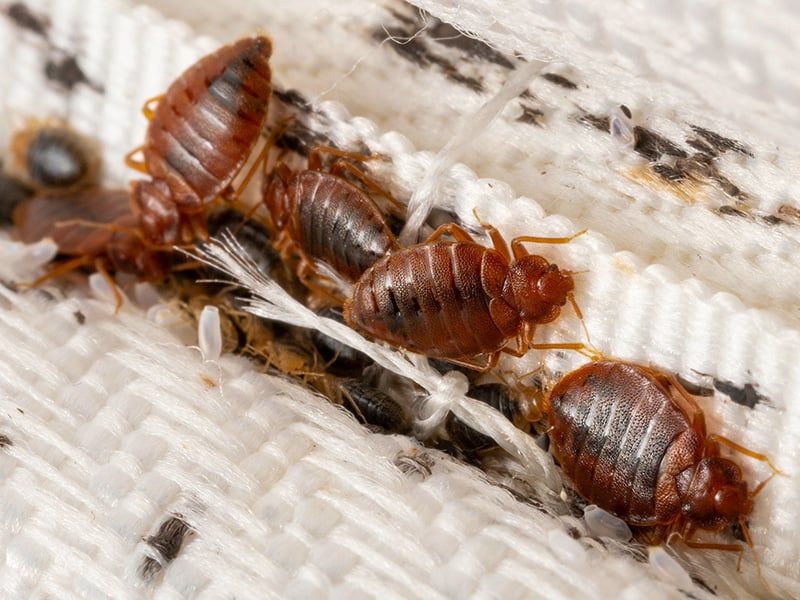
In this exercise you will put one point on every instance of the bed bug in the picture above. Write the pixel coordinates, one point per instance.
(634, 442)
(340, 359)
(514, 405)
(91, 227)
(460, 300)
(369, 404)
(54, 156)
(200, 135)
(322, 217)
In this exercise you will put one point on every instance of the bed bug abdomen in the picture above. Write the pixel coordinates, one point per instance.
(205, 126)
(614, 429)
(432, 298)
(339, 224)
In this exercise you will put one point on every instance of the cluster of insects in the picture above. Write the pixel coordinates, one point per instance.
(628, 437)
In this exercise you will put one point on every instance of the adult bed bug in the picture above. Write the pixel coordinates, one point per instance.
(461, 300)
(200, 135)
(633, 441)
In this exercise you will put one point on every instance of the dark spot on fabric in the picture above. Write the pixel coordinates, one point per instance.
(5, 441)
(731, 211)
(772, 220)
(736, 531)
(408, 20)
(79, 317)
(560, 80)
(671, 174)
(728, 186)
(720, 142)
(24, 18)
(695, 389)
(67, 73)
(416, 50)
(447, 35)
(292, 97)
(626, 111)
(531, 116)
(789, 212)
(653, 146)
(600, 122)
(703, 585)
(747, 395)
(166, 543)
(702, 146)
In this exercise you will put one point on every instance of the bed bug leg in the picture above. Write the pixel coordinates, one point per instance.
(148, 108)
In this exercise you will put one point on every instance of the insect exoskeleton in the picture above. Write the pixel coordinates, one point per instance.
(201, 133)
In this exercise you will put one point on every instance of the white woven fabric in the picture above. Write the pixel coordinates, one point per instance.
(284, 493)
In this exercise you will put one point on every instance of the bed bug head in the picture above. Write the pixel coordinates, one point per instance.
(537, 288)
(717, 495)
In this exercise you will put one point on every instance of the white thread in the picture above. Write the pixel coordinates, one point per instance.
(471, 127)
(271, 301)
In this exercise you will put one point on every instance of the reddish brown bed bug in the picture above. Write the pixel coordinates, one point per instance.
(54, 157)
(91, 227)
(461, 300)
(633, 441)
(201, 133)
(319, 215)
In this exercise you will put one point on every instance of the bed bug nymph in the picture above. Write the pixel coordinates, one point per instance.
(92, 227)
(461, 300)
(200, 135)
(322, 217)
(633, 441)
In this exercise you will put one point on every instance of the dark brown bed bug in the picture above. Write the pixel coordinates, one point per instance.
(340, 359)
(369, 404)
(460, 300)
(322, 217)
(633, 442)
(514, 405)
(91, 227)
(54, 156)
(201, 133)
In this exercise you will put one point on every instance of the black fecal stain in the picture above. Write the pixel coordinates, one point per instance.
(731, 211)
(416, 50)
(787, 212)
(695, 389)
(408, 20)
(5, 441)
(300, 139)
(79, 317)
(772, 220)
(600, 122)
(626, 111)
(24, 18)
(653, 146)
(531, 116)
(728, 186)
(560, 80)
(167, 543)
(702, 146)
(747, 395)
(671, 174)
(293, 98)
(447, 35)
(65, 72)
(722, 143)
(703, 585)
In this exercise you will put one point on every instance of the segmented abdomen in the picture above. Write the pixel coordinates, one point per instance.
(431, 298)
(339, 224)
(209, 120)
(612, 426)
